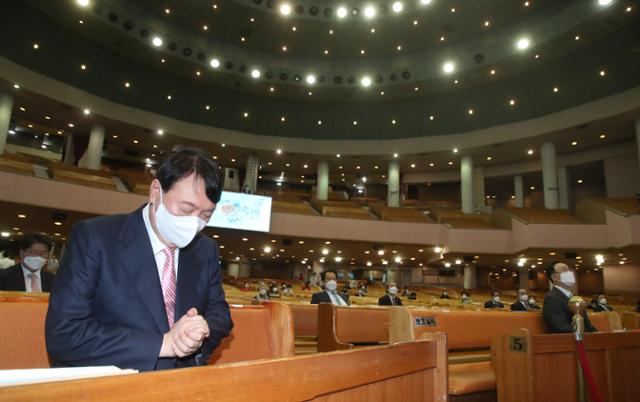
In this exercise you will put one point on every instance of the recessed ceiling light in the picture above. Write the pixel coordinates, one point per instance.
(16, 86)
(83, 67)
(603, 136)
(393, 121)
(577, 37)
(453, 10)
(442, 39)
(331, 32)
(397, 6)
(450, 163)
(278, 151)
(285, 9)
(71, 125)
(362, 51)
(160, 131)
(532, 188)
(156, 41)
(470, 111)
(369, 11)
(205, 27)
(83, 3)
(579, 181)
(223, 145)
(602, 73)
(22, 216)
(341, 12)
(293, 28)
(432, 164)
(326, 51)
(245, 114)
(425, 2)
(455, 150)
(556, 89)
(284, 48)
(283, 119)
(127, 84)
(489, 158)
(523, 43)
(207, 107)
(86, 111)
(413, 165)
(36, 46)
(214, 63)
(319, 122)
(604, 2)
(355, 122)
(399, 47)
(365, 81)
(135, 141)
(512, 102)
(448, 67)
(255, 73)
(574, 143)
(373, 30)
(415, 22)
(628, 9)
(395, 155)
(311, 79)
(487, 23)
(530, 152)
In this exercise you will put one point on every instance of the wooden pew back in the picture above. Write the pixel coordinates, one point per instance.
(464, 329)
(259, 332)
(410, 372)
(22, 334)
(543, 367)
(341, 327)
(305, 319)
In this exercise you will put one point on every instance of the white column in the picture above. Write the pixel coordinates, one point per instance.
(563, 187)
(68, 150)
(251, 174)
(523, 278)
(638, 137)
(93, 155)
(466, 183)
(245, 270)
(549, 175)
(518, 191)
(478, 188)
(393, 184)
(322, 184)
(392, 275)
(233, 269)
(470, 276)
(6, 106)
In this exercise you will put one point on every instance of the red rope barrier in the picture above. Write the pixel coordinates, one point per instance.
(586, 370)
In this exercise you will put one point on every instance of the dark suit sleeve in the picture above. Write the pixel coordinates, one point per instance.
(487, 304)
(73, 336)
(217, 316)
(588, 327)
(315, 299)
(555, 315)
(382, 301)
(399, 301)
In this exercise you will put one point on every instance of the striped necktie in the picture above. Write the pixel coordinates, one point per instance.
(169, 284)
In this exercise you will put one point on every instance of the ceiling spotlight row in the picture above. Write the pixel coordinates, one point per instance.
(369, 10)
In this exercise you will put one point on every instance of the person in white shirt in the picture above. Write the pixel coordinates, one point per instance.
(330, 295)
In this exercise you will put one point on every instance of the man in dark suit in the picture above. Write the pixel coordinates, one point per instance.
(29, 275)
(555, 308)
(330, 295)
(494, 302)
(602, 305)
(390, 299)
(144, 290)
(522, 304)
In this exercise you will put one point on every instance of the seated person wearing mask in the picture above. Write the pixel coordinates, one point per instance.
(329, 295)
(465, 298)
(602, 305)
(494, 302)
(523, 301)
(555, 308)
(262, 295)
(445, 294)
(29, 276)
(532, 303)
(390, 299)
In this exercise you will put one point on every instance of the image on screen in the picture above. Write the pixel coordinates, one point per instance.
(243, 212)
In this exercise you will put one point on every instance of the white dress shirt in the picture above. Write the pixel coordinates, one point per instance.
(27, 278)
(157, 246)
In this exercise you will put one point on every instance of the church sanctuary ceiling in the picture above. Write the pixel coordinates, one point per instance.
(331, 70)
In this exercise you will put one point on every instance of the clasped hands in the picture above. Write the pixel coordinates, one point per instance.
(186, 336)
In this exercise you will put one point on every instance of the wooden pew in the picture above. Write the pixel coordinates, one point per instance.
(469, 333)
(259, 332)
(15, 166)
(293, 207)
(542, 368)
(82, 176)
(305, 319)
(263, 331)
(630, 320)
(341, 327)
(23, 297)
(409, 372)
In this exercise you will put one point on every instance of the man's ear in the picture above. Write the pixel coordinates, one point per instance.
(154, 192)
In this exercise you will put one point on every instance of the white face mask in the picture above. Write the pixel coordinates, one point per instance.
(34, 263)
(393, 290)
(568, 278)
(263, 292)
(532, 301)
(331, 285)
(603, 301)
(496, 299)
(178, 230)
(524, 298)
(465, 297)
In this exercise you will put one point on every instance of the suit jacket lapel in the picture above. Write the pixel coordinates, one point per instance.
(136, 255)
(18, 279)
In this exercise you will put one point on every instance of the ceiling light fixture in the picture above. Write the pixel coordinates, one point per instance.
(369, 11)
(311, 79)
(342, 12)
(214, 63)
(397, 7)
(83, 3)
(523, 43)
(365, 81)
(448, 67)
(156, 41)
(255, 73)
(285, 9)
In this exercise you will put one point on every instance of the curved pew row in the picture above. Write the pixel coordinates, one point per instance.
(407, 372)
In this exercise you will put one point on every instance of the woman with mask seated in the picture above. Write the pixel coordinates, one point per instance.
(465, 298)
(602, 305)
(532, 303)
(262, 295)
